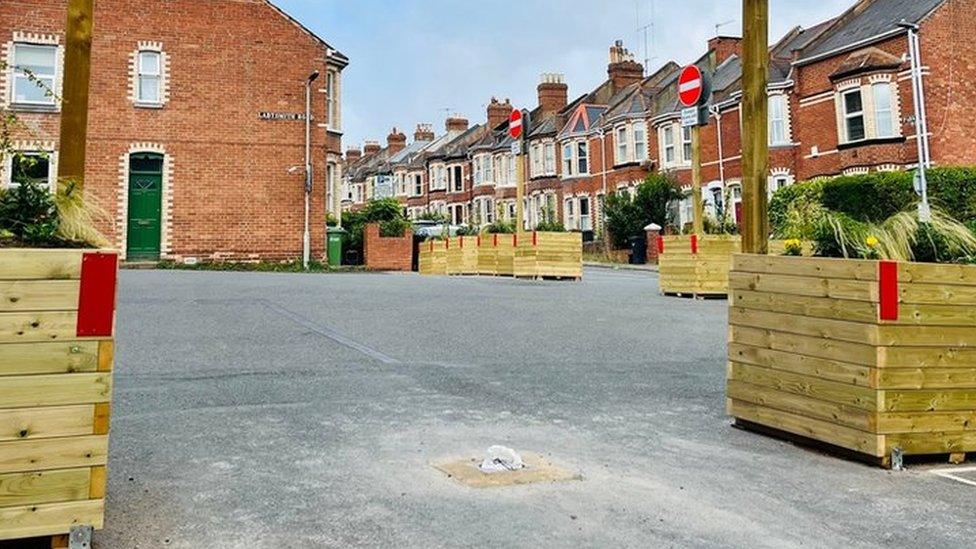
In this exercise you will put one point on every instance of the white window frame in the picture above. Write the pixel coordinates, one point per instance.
(777, 120)
(8, 168)
(668, 146)
(686, 147)
(621, 136)
(585, 220)
(568, 159)
(21, 76)
(582, 150)
(883, 109)
(141, 73)
(640, 145)
(549, 158)
(848, 116)
(332, 100)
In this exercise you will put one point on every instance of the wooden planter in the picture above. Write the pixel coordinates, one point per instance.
(488, 254)
(505, 254)
(549, 255)
(57, 316)
(878, 358)
(432, 259)
(697, 266)
(462, 255)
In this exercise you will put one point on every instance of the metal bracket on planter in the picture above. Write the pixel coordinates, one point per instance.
(897, 459)
(79, 537)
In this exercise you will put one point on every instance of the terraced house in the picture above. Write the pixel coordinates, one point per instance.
(841, 101)
(197, 122)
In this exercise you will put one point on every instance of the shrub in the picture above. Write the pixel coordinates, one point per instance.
(626, 218)
(394, 227)
(29, 214)
(387, 212)
(796, 211)
(870, 197)
(501, 227)
(954, 190)
(549, 222)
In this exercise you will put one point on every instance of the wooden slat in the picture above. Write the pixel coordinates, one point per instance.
(812, 346)
(106, 355)
(821, 389)
(825, 431)
(927, 378)
(49, 422)
(936, 294)
(936, 315)
(37, 326)
(53, 453)
(99, 482)
(44, 487)
(50, 519)
(856, 311)
(934, 443)
(832, 412)
(39, 264)
(926, 357)
(927, 400)
(48, 358)
(803, 325)
(101, 417)
(822, 267)
(54, 390)
(929, 422)
(839, 289)
(937, 273)
(831, 370)
(38, 295)
(926, 336)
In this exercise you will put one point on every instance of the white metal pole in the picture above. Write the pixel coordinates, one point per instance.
(921, 102)
(306, 239)
(924, 214)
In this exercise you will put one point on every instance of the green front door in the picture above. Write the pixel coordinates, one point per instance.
(145, 207)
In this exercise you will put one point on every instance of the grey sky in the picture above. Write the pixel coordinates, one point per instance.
(420, 60)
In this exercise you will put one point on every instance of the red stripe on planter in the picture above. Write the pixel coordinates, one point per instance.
(660, 244)
(694, 243)
(447, 243)
(96, 298)
(461, 242)
(514, 240)
(479, 240)
(535, 238)
(888, 288)
(495, 240)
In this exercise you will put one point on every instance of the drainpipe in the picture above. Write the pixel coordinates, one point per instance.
(306, 239)
(721, 157)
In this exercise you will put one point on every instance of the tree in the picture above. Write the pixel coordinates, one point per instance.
(626, 217)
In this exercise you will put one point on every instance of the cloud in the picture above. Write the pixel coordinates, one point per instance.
(418, 61)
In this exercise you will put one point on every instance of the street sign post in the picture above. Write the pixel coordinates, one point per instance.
(693, 92)
(517, 121)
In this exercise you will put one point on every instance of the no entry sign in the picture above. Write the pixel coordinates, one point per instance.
(691, 86)
(515, 124)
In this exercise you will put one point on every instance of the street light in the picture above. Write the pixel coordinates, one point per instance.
(921, 124)
(306, 239)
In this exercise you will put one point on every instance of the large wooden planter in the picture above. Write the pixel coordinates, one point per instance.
(462, 255)
(505, 254)
(57, 315)
(693, 265)
(698, 266)
(549, 255)
(874, 357)
(490, 246)
(432, 259)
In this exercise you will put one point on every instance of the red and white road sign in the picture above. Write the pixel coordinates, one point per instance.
(515, 124)
(691, 86)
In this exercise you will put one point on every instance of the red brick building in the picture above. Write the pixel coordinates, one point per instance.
(196, 130)
(840, 102)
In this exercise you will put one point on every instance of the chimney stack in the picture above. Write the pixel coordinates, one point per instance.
(623, 70)
(424, 132)
(723, 47)
(553, 93)
(456, 123)
(353, 154)
(370, 148)
(498, 112)
(396, 141)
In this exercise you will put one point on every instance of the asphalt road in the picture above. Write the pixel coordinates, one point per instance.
(282, 410)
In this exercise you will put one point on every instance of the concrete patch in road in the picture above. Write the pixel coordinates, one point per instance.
(538, 469)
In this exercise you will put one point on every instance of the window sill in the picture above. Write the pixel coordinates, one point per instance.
(141, 105)
(628, 164)
(872, 141)
(27, 107)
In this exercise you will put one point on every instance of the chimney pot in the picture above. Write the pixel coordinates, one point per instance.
(553, 93)
(424, 132)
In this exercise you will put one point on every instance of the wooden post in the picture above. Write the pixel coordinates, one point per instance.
(74, 94)
(698, 223)
(755, 140)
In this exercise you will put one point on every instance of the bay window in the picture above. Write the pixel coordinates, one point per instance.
(853, 115)
(582, 158)
(667, 142)
(550, 158)
(640, 142)
(622, 145)
(777, 120)
(883, 122)
(567, 159)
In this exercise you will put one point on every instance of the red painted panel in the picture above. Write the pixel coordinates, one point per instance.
(535, 238)
(694, 243)
(495, 240)
(660, 244)
(514, 240)
(96, 299)
(888, 289)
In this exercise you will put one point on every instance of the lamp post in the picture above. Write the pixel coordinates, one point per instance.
(306, 239)
(921, 124)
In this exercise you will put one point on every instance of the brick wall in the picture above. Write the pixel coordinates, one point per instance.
(387, 253)
(228, 194)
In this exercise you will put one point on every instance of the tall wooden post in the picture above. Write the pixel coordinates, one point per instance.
(755, 140)
(698, 222)
(74, 94)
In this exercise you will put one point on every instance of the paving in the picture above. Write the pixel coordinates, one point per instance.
(284, 410)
